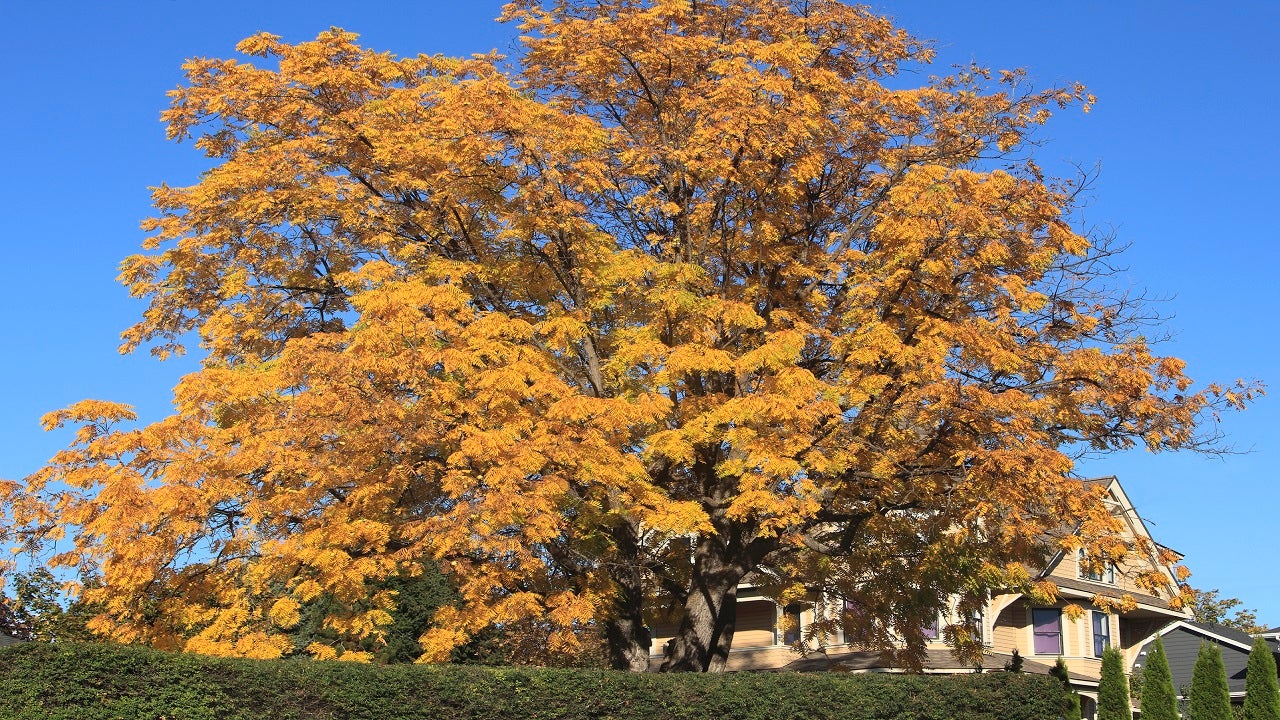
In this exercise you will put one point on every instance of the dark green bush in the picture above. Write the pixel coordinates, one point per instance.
(1159, 700)
(1113, 688)
(107, 682)
(1210, 697)
(1262, 691)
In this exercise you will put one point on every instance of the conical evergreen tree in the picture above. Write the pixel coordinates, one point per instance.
(1262, 690)
(1159, 699)
(1113, 689)
(1071, 711)
(1210, 698)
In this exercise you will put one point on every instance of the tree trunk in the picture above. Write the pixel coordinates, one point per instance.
(710, 611)
(625, 629)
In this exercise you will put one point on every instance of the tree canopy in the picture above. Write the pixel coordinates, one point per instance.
(687, 293)
(1210, 608)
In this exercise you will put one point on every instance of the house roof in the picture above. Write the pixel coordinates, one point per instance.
(1221, 633)
(1230, 633)
(6, 640)
(1092, 588)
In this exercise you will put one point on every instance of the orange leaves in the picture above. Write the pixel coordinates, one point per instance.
(694, 281)
(95, 412)
(284, 613)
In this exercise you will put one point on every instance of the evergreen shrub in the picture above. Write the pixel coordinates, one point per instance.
(65, 681)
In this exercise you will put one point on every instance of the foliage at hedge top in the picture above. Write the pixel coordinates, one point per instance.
(101, 682)
(1071, 711)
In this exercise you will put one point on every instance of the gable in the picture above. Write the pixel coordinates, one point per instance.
(1065, 570)
(1182, 641)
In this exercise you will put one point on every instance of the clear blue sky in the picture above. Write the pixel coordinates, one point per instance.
(1184, 130)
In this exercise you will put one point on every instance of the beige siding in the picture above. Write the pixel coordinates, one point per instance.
(756, 622)
(1077, 632)
(1127, 571)
(755, 628)
(1090, 667)
(1011, 629)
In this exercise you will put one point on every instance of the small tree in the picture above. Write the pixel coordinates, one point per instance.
(1015, 663)
(1072, 710)
(1159, 700)
(1113, 689)
(1262, 690)
(39, 610)
(1210, 698)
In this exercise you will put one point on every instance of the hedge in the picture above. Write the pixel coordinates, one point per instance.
(111, 682)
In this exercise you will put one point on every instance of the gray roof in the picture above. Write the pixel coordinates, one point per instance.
(6, 640)
(1227, 632)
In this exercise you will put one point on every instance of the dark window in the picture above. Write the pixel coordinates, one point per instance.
(1101, 632)
(1106, 576)
(792, 634)
(1047, 626)
(975, 625)
(931, 630)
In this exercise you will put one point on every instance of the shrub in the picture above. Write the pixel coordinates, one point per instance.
(1210, 698)
(101, 682)
(1159, 699)
(1071, 706)
(1113, 688)
(1262, 690)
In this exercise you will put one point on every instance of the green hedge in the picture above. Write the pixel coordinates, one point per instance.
(108, 682)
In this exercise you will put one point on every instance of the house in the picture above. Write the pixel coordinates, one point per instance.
(1011, 621)
(1182, 641)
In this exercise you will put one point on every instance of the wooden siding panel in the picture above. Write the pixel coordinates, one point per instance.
(1011, 630)
(756, 622)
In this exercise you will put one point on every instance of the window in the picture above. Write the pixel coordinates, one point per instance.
(1105, 576)
(1101, 632)
(931, 630)
(1047, 627)
(792, 633)
(975, 625)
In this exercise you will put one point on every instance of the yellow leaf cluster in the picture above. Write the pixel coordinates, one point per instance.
(698, 286)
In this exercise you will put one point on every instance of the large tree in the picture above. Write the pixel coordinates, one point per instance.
(692, 291)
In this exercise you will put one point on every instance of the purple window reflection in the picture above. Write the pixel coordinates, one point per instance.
(1047, 627)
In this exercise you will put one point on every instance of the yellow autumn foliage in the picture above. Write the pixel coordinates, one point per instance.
(696, 291)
